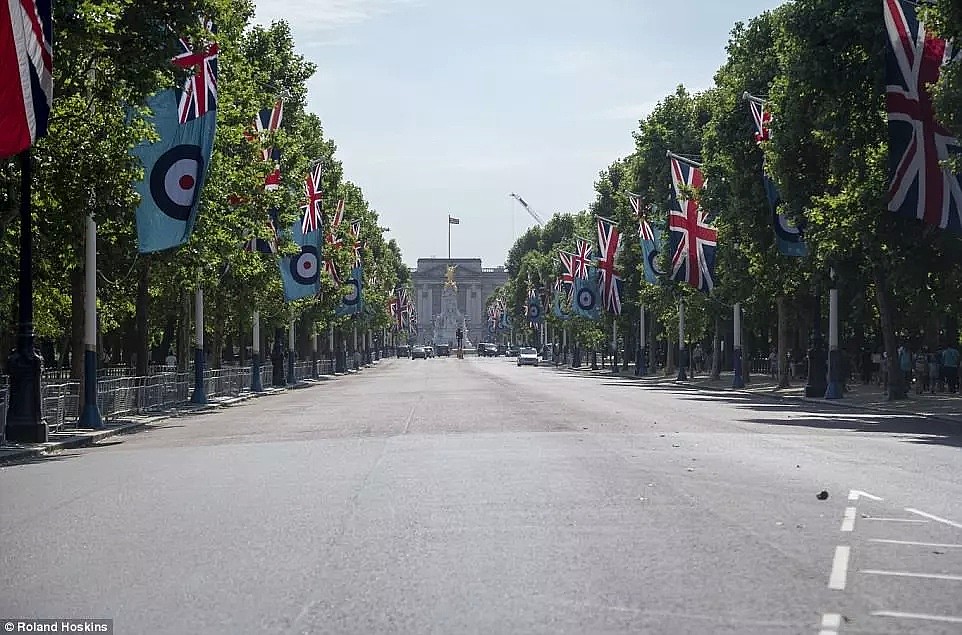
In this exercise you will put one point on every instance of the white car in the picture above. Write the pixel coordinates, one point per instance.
(527, 357)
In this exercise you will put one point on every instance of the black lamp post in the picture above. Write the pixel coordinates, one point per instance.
(25, 366)
(816, 385)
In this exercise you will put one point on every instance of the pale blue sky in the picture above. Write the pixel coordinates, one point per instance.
(445, 106)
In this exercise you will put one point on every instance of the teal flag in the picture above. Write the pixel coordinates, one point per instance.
(557, 306)
(585, 302)
(300, 272)
(352, 303)
(175, 168)
(650, 248)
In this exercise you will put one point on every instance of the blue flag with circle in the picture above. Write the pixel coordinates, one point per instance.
(585, 301)
(351, 302)
(300, 272)
(175, 168)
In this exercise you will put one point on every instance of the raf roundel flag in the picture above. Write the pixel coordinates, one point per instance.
(175, 168)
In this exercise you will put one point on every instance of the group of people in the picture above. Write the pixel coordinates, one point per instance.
(931, 370)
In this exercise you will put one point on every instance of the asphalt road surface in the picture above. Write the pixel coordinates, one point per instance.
(474, 496)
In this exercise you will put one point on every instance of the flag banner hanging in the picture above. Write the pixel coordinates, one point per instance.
(693, 239)
(919, 186)
(268, 243)
(534, 310)
(199, 94)
(26, 73)
(585, 301)
(581, 260)
(788, 235)
(175, 168)
(454, 221)
(300, 272)
(609, 239)
(351, 302)
(560, 299)
(650, 238)
(333, 243)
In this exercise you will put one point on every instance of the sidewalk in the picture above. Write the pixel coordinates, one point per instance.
(870, 397)
(78, 438)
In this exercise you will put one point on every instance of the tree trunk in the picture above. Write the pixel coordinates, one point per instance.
(77, 323)
(716, 350)
(143, 297)
(895, 384)
(670, 356)
(783, 343)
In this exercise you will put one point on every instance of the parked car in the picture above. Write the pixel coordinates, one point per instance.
(527, 357)
(502, 350)
(512, 351)
(429, 350)
(487, 349)
(403, 351)
(444, 350)
(419, 352)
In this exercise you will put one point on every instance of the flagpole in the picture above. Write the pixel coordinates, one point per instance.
(291, 378)
(681, 341)
(641, 367)
(200, 391)
(25, 366)
(737, 364)
(449, 239)
(256, 385)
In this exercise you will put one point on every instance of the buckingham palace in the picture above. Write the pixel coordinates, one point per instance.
(475, 285)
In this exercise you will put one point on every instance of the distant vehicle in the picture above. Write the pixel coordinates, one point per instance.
(444, 350)
(488, 349)
(429, 350)
(403, 351)
(419, 352)
(527, 357)
(502, 349)
(512, 351)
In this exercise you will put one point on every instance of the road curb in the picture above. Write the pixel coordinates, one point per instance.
(840, 403)
(12, 454)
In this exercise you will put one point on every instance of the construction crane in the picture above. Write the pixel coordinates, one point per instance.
(527, 208)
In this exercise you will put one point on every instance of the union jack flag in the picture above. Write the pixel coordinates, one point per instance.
(358, 245)
(269, 121)
(919, 186)
(567, 268)
(393, 306)
(609, 239)
(314, 197)
(333, 242)
(26, 73)
(641, 210)
(199, 95)
(693, 240)
(763, 120)
(581, 260)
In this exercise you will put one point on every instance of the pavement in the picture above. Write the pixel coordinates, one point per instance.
(940, 405)
(474, 496)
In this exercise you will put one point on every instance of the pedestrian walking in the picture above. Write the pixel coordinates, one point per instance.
(950, 367)
(921, 371)
(773, 363)
(905, 364)
(934, 362)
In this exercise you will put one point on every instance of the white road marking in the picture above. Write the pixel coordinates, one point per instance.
(896, 520)
(839, 568)
(830, 624)
(916, 544)
(935, 518)
(848, 522)
(910, 574)
(919, 616)
(855, 494)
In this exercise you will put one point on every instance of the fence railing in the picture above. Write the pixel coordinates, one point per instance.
(120, 395)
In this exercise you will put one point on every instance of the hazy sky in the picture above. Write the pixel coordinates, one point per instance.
(445, 107)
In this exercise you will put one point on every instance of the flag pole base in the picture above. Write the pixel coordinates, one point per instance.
(200, 391)
(90, 415)
(256, 383)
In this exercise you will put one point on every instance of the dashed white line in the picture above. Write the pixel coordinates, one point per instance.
(896, 520)
(935, 518)
(919, 616)
(831, 622)
(839, 568)
(914, 543)
(910, 574)
(848, 522)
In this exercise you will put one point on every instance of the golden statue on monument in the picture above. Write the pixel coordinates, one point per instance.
(449, 278)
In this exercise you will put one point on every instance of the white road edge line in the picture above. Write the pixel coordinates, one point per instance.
(910, 574)
(830, 624)
(919, 616)
(916, 544)
(935, 518)
(854, 494)
(848, 522)
(839, 568)
(896, 520)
